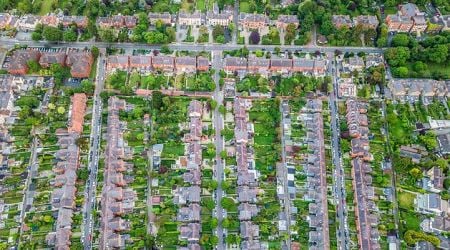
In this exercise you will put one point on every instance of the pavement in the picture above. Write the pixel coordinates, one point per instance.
(338, 175)
(7, 43)
(95, 138)
(217, 65)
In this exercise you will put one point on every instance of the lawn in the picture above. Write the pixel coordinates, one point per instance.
(440, 69)
(201, 5)
(406, 200)
(244, 6)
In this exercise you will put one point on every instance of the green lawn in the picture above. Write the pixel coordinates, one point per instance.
(201, 5)
(442, 69)
(406, 200)
(244, 6)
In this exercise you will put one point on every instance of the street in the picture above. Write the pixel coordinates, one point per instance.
(218, 126)
(6, 43)
(95, 139)
(338, 175)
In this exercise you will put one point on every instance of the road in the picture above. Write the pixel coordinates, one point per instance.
(287, 199)
(29, 191)
(235, 22)
(218, 126)
(95, 139)
(338, 175)
(7, 43)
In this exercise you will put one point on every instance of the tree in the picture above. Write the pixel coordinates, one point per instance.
(401, 71)
(87, 86)
(416, 173)
(400, 40)
(419, 66)
(95, 51)
(61, 110)
(70, 35)
(227, 203)
(33, 66)
(397, 56)
(52, 34)
(254, 37)
(437, 54)
(36, 36)
(107, 35)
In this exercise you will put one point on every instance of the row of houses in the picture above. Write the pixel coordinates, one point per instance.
(185, 64)
(117, 199)
(188, 197)
(316, 182)
(367, 218)
(63, 196)
(412, 89)
(80, 62)
(28, 22)
(258, 65)
(366, 21)
(247, 175)
(410, 19)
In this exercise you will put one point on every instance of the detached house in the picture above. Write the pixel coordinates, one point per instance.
(340, 21)
(284, 20)
(366, 21)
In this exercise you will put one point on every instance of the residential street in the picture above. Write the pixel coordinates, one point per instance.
(218, 126)
(190, 47)
(95, 138)
(338, 175)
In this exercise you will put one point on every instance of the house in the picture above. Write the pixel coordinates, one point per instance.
(246, 194)
(142, 63)
(190, 232)
(80, 63)
(431, 204)
(117, 22)
(50, 20)
(247, 211)
(130, 21)
(303, 65)
(281, 65)
(186, 195)
(234, 64)
(5, 20)
(340, 21)
(346, 88)
(49, 58)
(195, 109)
(190, 19)
(284, 20)
(433, 180)
(28, 23)
(408, 19)
(19, 61)
(80, 21)
(444, 143)
(165, 18)
(354, 63)
(117, 62)
(253, 21)
(190, 213)
(420, 23)
(192, 177)
(258, 65)
(436, 224)
(366, 21)
(215, 17)
(414, 152)
(202, 63)
(163, 63)
(398, 23)
(249, 230)
(77, 113)
(186, 64)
